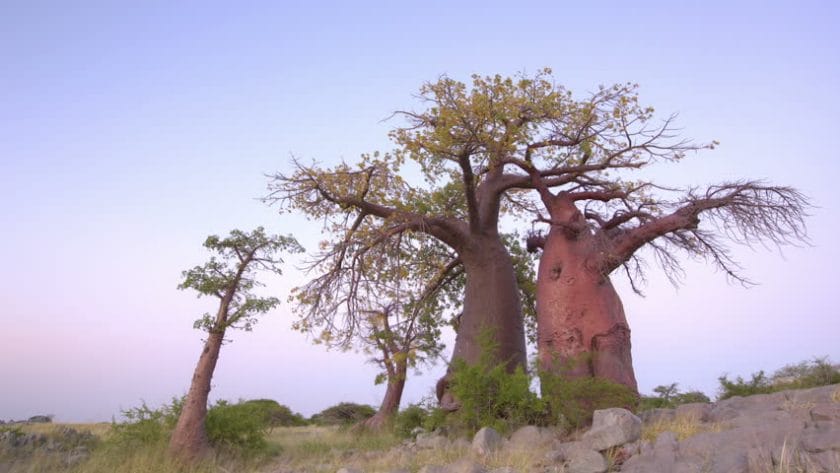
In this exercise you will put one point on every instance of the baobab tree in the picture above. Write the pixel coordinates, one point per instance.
(598, 221)
(368, 204)
(230, 277)
(483, 149)
(389, 302)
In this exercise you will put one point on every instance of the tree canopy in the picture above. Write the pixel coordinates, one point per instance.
(229, 275)
(525, 148)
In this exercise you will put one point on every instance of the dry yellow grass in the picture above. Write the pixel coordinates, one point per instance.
(100, 429)
(683, 427)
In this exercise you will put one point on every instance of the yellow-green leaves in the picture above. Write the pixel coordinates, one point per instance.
(230, 275)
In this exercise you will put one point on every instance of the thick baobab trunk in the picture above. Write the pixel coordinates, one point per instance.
(391, 402)
(491, 308)
(189, 439)
(581, 327)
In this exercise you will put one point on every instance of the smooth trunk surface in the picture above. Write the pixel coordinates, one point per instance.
(492, 309)
(189, 439)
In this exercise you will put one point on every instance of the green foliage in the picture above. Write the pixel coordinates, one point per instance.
(238, 428)
(234, 428)
(490, 395)
(692, 396)
(410, 418)
(147, 426)
(573, 400)
(344, 413)
(229, 276)
(437, 419)
(759, 383)
(13, 428)
(805, 374)
(669, 397)
(276, 414)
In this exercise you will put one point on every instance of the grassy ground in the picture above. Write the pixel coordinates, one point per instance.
(312, 449)
(318, 449)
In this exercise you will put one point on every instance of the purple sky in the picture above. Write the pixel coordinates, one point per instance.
(129, 133)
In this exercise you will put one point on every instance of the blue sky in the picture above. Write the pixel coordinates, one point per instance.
(130, 132)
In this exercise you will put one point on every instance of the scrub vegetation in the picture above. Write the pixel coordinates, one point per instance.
(265, 436)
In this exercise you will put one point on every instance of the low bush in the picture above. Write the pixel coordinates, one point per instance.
(345, 413)
(147, 426)
(573, 401)
(490, 396)
(410, 418)
(669, 397)
(277, 415)
(234, 428)
(238, 428)
(805, 374)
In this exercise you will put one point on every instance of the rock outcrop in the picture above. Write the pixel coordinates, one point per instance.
(796, 430)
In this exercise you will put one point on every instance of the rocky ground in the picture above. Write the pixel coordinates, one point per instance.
(69, 446)
(784, 432)
(795, 431)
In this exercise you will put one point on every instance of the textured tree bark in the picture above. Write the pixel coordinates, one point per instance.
(581, 327)
(391, 402)
(189, 439)
(491, 305)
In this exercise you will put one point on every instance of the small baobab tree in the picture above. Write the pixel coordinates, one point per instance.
(230, 277)
(389, 302)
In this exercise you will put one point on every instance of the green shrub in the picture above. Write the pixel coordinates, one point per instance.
(235, 428)
(147, 426)
(691, 397)
(437, 419)
(805, 374)
(410, 418)
(238, 428)
(758, 384)
(573, 401)
(669, 397)
(277, 415)
(490, 396)
(344, 413)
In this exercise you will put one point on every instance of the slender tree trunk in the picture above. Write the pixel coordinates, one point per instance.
(189, 439)
(391, 402)
(581, 327)
(491, 306)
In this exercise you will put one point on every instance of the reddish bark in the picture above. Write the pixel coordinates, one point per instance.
(189, 439)
(491, 303)
(391, 402)
(582, 330)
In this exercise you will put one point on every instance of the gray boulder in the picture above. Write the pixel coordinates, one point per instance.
(577, 457)
(486, 440)
(613, 427)
(586, 461)
(788, 430)
(695, 411)
(530, 437)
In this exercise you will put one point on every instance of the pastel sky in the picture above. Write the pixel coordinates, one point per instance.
(131, 130)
